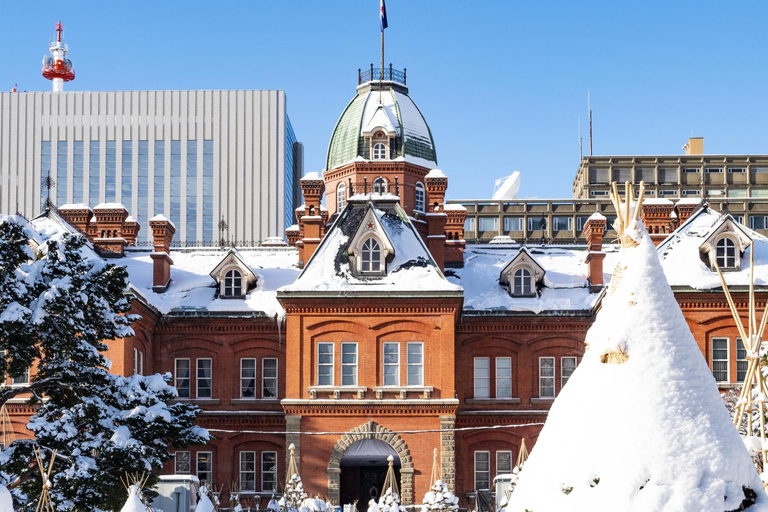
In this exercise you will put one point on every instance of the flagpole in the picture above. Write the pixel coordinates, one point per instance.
(382, 55)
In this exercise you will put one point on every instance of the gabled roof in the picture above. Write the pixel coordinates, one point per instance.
(371, 225)
(525, 258)
(233, 257)
(412, 271)
(726, 224)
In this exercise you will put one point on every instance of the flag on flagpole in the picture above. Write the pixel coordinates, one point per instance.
(383, 16)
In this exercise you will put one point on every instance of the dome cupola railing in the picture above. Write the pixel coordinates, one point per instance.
(378, 74)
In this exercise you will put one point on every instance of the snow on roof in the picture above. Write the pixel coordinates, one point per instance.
(192, 288)
(162, 218)
(310, 176)
(130, 218)
(683, 266)
(108, 206)
(374, 197)
(656, 201)
(304, 207)
(454, 207)
(380, 115)
(74, 206)
(596, 216)
(690, 200)
(565, 282)
(411, 270)
(293, 227)
(648, 432)
(435, 173)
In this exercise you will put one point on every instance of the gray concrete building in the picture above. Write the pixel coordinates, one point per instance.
(198, 157)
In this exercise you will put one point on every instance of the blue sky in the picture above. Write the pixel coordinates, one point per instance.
(501, 83)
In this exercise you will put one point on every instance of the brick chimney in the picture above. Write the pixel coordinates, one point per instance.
(76, 215)
(593, 232)
(162, 232)
(657, 218)
(131, 230)
(436, 183)
(108, 240)
(454, 235)
(292, 234)
(310, 218)
(685, 208)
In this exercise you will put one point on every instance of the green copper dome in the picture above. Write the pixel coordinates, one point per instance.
(387, 106)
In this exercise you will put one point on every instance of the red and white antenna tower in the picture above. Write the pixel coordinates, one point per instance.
(58, 68)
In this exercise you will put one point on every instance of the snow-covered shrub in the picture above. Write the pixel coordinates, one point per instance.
(439, 498)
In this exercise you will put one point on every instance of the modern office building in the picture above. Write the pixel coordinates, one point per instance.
(198, 157)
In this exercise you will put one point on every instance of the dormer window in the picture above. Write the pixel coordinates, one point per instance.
(726, 253)
(523, 283)
(379, 186)
(233, 284)
(420, 196)
(379, 151)
(341, 197)
(370, 259)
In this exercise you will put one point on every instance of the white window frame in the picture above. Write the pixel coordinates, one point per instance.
(381, 183)
(396, 364)
(691, 170)
(244, 378)
(522, 280)
(272, 471)
(420, 197)
(498, 464)
(667, 193)
(265, 377)
(568, 223)
(368, 256)
(141, 362)
(752, 219)
(177, 380)
(729, 253)
(378, 151)
(247, 468)
(349, 366)
(198, 462)
(482, 382)
(176, 462)
(341, 196)
(537, 227)
(230, 283)
(478, 471)
(542, 377)
(563, 377)
(501, 380)
(21, 380)
(598, 193)
(511, 221)
(692, 193)
(469, 224)
(741, 361)
(198, 378)
(135, 361)
(713, 170)
(325, 365)
(737, 170)
(726, 360)
(483, 221)
(409, 364)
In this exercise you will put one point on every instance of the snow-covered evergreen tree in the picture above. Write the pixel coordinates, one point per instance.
(57, 307)
(440, 499)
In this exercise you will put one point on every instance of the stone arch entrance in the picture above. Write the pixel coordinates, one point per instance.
(371, 430)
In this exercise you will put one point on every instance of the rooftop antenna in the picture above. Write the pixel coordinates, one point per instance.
(581, 155)
(15, 86)
(58, 68)
(589, 107)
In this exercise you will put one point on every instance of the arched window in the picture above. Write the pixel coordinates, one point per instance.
(420, 194)
(370, 260)
(379, 186)
(379, 151)
(726, 253)
(233, 284)
(523, 283)
(341, 197)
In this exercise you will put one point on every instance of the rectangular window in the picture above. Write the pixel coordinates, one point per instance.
(690, 170)
(247, 378)
(78, 185)
(503, 377)
(45, 170)
(208, 190)
(739, 219)
(482, 377)
(737, 170)
(720, 359)
(513, 223)
(204, 467)
(622, 175)
(668, 175)
(598, 193)
(110, 190)
(159, 170)
(503, 462)
(269, 377)
(204, 378)
(391, 364)
(94, 173)
(415, 364)
(663, 193)
(182, 463)
(562, 223)
(758, 222)
(691, 192)
(61, 172)
(598, 176)
(325, 364)
(182, 377)
(469, 224)
(176, 182)
(537, 223)
(22, 379)
(141, 362)
(567, 365)
(488, 223)
(191, 192)
(247, 471)
(126, 190)
(741, 361)
(739, 192)
(645, 174)
(482, 470)
(143, 192)
(580, 223)
(714, 170)
(349, 364)
(547, 377)
(268, 471)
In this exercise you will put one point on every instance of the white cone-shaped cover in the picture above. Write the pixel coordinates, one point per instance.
(204, 504)
(133, 503)
(6, 502)
(649, 434)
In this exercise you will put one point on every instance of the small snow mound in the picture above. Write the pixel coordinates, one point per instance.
(435, 173)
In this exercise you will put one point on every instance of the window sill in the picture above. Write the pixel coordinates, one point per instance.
(542, 401)
(245, 401)
(403, 391)
(500, 401)
(199, 401)
(335, 392)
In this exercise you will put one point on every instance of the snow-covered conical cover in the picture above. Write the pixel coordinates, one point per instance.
(133, 503)
(6, 502)
(204, 504)
(646, 430)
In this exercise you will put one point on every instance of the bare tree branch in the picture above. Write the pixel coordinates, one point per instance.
(55, 381)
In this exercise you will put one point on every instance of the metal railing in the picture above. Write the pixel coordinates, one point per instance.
(375, 74)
